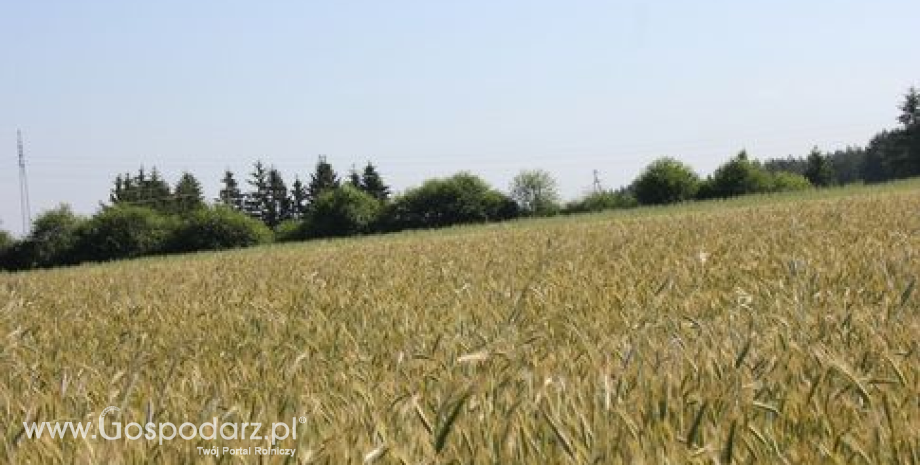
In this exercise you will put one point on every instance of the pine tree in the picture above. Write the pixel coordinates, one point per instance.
(372, 183)
(299, 199)
(322, 179)
(258, 198)
(230, 195)
(187, 196)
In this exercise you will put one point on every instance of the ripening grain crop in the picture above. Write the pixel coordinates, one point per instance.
(766, 331)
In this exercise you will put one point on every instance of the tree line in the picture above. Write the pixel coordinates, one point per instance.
(145, 215)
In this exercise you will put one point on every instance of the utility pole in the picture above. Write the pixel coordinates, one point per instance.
(597, 182)
(23, 186)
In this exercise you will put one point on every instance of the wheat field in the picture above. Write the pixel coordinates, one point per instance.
(765, 330)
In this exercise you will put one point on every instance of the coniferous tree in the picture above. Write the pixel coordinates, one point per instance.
(278, 206)
(322, 179)
(876, 166)
(258, 198)
(156, 192)
(150, 191)
(299, 199)
(895, 154)
(372, 183)
(354, 179)
(122, 185)
(818, 169)
(139, 186)
(230, 194)
(910, 121)
(910, 109)
(187, 196)
(846, 164)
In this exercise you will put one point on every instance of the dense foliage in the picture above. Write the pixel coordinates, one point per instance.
(738, 176)
(217, 228)
(666, 180)
(122, 231)
(342, 211)
(51, 241)
(462, 198)
(602, 200)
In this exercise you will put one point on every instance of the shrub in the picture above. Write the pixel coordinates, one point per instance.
(600, 201)
(784, 181)
(217, 228)
(342, 211)
(462, 198)
(16, 256)
(52, 238)
(122, 231)
(289, 231)
(50, 242)
(666, 180)
(738, 176)
(9, 259)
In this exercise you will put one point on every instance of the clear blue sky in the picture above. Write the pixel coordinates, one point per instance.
(427, 88)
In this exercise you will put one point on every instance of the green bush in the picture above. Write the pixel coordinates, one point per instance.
(600, 201)
(462, 198)
(9, 259)
(342, 211)
(52, 238)
(666, 180)
(738, 176)
(16, 256)
(50, 243)
(216, 228)
(289, 231)
(784, 181)
(123, 231)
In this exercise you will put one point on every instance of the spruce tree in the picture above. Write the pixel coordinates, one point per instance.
(278, 205)
(187, 196)
(150, 191)
(372, 183)
(156, 192)
(299, 198)
(230, 194)
(121, 188)
(354, 179)
(909, 159)
(910, 109)
(322, 179)
(258, 198)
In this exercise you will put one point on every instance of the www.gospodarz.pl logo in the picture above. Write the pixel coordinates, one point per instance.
(167, 431)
